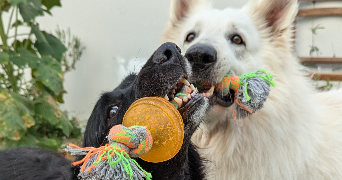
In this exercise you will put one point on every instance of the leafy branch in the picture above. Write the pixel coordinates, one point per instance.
(29, 108)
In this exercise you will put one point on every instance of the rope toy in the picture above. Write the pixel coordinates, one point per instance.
(251, 91)
(113, 161)
(184, 92)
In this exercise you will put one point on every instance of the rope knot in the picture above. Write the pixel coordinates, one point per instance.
(113, 160)
(135, 140)
(251, 90)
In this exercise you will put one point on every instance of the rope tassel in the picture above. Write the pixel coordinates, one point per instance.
(251, 91)
(113, 161)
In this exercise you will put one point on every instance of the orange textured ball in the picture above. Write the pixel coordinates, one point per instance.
(164, 122)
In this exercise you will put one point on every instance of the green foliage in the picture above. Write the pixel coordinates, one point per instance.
(313, 47)
(29, 107)
(314, 29)
(74, 47)
(325, 87)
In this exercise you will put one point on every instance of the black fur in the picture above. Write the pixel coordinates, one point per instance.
(33, 164)
(157, 77)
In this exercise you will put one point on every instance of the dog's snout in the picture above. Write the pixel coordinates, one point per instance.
(201, 55)
(166, 52)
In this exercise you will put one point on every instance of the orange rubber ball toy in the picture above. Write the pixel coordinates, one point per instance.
(164, 122)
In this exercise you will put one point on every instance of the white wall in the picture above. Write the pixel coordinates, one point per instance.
(119, 35)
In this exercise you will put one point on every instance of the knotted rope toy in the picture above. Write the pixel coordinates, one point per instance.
(113, 161)
(251, 91)
(150, 120)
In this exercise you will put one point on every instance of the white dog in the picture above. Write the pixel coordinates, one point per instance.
(298, 133)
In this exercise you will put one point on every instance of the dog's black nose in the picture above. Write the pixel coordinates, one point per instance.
(166, 52)
(200, 56)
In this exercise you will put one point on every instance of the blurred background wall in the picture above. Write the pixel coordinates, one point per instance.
(119, 35)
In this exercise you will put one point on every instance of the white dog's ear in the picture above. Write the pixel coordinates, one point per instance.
(276, 14)
(181, 9)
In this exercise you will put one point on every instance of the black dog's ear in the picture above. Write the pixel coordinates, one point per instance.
(96, 130)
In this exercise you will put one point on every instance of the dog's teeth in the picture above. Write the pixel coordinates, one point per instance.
(189, 96)
(184, 81)
(193, 94)
(166, 97)
(178, 101)
(173, 91)
(210, 92)
(185, 99)
(192, 87)
(211, 89)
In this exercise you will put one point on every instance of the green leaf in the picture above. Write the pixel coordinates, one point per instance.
(48, 45)
(17, 23)
(30, 9)
(44, 49)
(49, 72)
(25, 101)
(51, 3)
(47, 107)
(4, 57)
(16, 59)
(26, 141)
(25, 114)
(29, 57)
(57, 46)
(65, 124)
(39, 34)
(46, 143)
(15, 2)
(28, 46)
(11, 122)
(24, 57)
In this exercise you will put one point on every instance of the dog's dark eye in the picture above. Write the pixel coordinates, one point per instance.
(190, 37)
(113, 111)
(237, 39)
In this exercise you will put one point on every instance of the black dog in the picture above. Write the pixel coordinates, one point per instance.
(160, 75)
(33, 164)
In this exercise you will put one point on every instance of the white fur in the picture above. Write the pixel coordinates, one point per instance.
(298, 133)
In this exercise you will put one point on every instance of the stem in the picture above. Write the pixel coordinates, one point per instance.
(9, 22)
(8, 67)
(28, 39)
(16, 28)
(2, 33)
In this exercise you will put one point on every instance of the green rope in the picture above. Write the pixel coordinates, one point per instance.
(124, 158)
(148, 175)
(258, 73)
